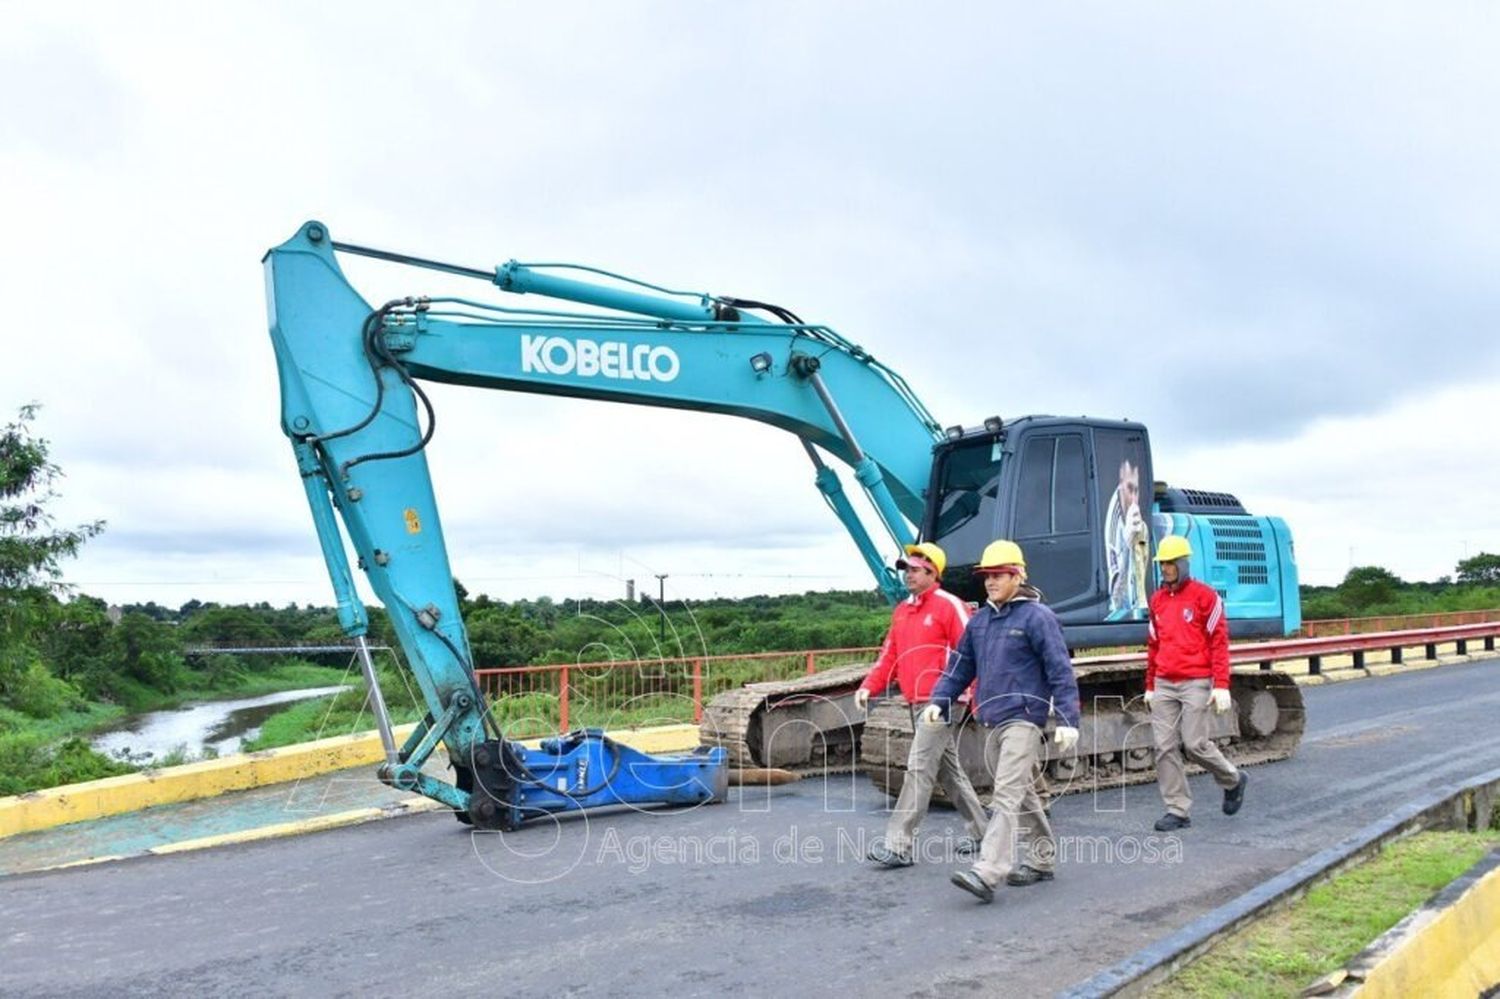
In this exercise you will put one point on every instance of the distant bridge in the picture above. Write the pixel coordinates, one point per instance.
(250, 649)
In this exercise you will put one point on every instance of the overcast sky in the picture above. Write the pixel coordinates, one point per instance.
(1284, 217)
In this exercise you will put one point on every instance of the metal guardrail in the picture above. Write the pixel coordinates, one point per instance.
(628, 692)
(675, 689)
(1395, 622)
(542, 699)
(1314, 650)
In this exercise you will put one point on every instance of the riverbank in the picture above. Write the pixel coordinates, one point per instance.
(38, 753)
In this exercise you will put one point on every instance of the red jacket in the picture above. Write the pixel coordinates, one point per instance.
(923, 631)
(1188, 637)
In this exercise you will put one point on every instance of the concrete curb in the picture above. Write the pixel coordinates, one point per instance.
(96, 799)
(133, 792)
(1465, 806)
(1450, 946)
(1344, 673)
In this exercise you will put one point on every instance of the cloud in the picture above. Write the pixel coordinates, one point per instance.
(1410, 489)
(1241, 226)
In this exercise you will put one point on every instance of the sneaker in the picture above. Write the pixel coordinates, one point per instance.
(886, 857)
(1026, 875)
(1171, 822)
(966, 847)
(1235, 796)
(974, 885)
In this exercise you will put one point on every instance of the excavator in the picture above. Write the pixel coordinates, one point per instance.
(1068, 490)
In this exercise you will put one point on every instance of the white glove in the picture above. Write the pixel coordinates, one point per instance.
(1150, 696)
(931, 715)
(1221, 700)
(862, 699)
(1065, 736)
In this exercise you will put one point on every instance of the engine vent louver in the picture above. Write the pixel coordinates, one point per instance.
(1244, 543)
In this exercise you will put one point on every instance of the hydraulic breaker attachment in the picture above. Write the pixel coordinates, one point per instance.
(507, 783)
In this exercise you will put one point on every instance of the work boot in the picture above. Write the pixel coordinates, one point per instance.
(1026, 875)
(974, 885)
(886, 857)
(1171, 822)
(1235, 796)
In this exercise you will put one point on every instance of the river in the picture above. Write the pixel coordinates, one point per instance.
(217, 726)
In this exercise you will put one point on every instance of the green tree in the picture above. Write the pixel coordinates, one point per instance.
(1367, 586)
(30, 549)
(232, 625)
(1483, 569)
(79, 646)
(148, 652)
(31, 553)
(501, 636)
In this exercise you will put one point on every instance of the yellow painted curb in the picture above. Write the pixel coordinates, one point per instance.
(1453, 951)
(133, 792)
(115, 795)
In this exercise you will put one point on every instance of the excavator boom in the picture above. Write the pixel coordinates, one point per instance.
(358, 420)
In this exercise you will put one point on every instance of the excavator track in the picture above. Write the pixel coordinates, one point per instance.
(1115, 746)
(807, 725)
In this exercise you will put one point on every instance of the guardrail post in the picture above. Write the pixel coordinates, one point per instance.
(1396, 656)
(562, 700)
(1463, 646)
(1489, 643)
(812, 666)
(697, 691)
(1359, 658)
(1431, 650)
(1314, 665)
(1265, 664)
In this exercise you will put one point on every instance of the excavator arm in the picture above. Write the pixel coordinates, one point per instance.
(358, 420)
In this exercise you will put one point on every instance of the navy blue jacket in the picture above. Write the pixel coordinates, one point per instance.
(1017, 651)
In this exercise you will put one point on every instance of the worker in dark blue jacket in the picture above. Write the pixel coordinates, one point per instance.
(1014, 646)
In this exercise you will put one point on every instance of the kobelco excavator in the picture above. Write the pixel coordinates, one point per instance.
(1077, 494)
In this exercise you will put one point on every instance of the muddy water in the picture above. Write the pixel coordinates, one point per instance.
(220, 726)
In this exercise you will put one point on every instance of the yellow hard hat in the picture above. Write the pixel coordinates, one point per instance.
(1172, 548)
(1000, 555)
(929, 551)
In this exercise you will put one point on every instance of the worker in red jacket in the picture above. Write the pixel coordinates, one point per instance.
(1187, 675)
(925, 628)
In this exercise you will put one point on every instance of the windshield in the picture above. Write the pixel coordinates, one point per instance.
(967, 501)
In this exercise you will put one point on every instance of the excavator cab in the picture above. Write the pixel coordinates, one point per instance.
(1075, 494)
(1078, 496)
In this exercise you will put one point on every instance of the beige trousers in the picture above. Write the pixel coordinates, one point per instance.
(1014, 753)
(1180, 726)
(933, 758)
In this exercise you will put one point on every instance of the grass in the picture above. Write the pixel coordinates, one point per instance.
(291, 675)
(1283, 953)
(338, 714)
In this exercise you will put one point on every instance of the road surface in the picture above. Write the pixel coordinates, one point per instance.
(767, 893)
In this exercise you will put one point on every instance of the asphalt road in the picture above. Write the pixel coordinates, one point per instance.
(764, 894)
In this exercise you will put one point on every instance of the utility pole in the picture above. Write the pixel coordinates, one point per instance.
(661, 603)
